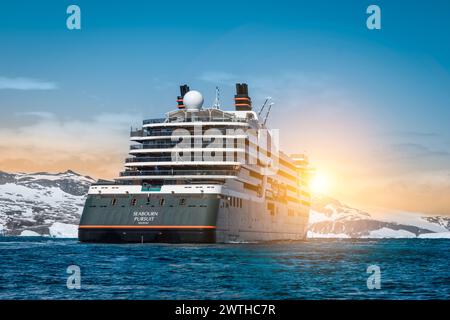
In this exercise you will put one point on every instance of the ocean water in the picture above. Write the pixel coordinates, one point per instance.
(36, 268)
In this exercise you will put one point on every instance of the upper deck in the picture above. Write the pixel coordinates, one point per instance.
(157, 154)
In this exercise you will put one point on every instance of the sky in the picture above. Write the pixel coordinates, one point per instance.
(369, 107)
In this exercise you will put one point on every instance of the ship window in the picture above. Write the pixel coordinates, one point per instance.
(133, 201)
(161, 202)
(271, 208)
(240, 203)
(114, 201)
(182, 202)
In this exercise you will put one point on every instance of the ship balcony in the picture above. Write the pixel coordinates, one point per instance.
(169, 159)
(159, 145)
(172, 146)
(178, 173)
(167, 132)
(148, 159)
(197, 122)
(205, 119)
(137, 133)
(150, 121)
(161, 158)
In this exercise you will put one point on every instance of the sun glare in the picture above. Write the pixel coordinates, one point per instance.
(319, 183)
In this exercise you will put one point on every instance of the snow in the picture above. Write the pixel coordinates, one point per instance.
(30, 201)
(52, 195)
(29, 233)
(408, 218)
(331, 208)
(324, 215)
(315, 217)
(63, 230)
(52, 176)
(383, 233)
(29, 204)
(28, 212)
(437, 235)
(314, 235)
(389, 233)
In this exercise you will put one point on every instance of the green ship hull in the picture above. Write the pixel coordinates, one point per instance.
(144, 218)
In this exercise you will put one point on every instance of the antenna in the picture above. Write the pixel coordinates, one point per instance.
(216, 104)
(264, 105)
(268, 111)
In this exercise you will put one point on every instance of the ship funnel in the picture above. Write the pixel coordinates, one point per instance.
(242, 101)
(183, 90)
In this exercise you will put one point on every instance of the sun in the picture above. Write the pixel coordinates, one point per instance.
(319, 183)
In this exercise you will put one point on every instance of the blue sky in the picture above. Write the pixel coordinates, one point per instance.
(370, 107)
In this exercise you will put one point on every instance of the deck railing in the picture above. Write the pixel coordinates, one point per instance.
(178, 173)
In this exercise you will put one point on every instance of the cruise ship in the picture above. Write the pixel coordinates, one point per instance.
(202, 175)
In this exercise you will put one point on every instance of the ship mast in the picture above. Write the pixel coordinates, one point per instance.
(216, 104)
(268, 112)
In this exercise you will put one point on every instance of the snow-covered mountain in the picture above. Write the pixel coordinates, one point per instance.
(51, 205)
(330, 218)
(42, 203)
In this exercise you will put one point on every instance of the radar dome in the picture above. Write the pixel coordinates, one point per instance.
(193, 100)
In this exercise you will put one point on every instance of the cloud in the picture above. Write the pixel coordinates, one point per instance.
(96, 146)
(37, 114)
(415, 150)
(413, 134)
(26, 84)
(218, 77)
(425, 192)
